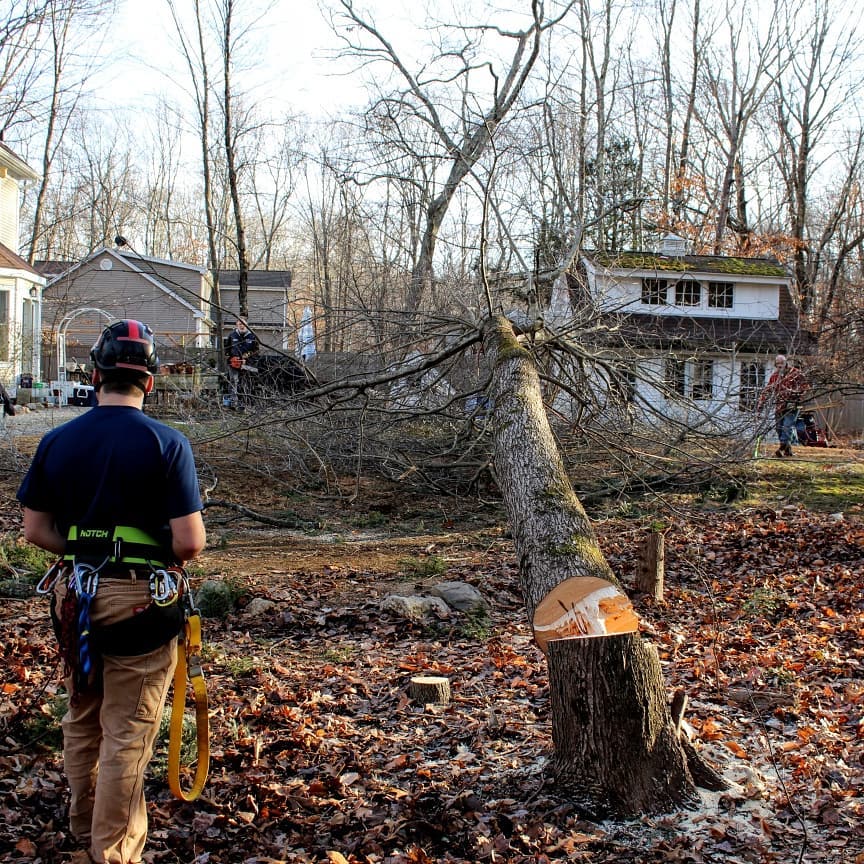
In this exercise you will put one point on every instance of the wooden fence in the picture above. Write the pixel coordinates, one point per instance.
(843, 415)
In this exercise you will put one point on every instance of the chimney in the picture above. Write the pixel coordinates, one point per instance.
(673, 246)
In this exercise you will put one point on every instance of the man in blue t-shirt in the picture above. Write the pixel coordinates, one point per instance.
(113, 467)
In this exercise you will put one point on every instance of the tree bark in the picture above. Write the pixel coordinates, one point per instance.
(231, 159)
(429, 690)
(199, 73)
(616, 744)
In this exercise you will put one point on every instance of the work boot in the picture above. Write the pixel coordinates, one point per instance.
(779, 453)
(787, 449)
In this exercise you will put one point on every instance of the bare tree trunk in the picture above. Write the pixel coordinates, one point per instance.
(231, 161)
(48, 150)
(616, 743)
(680, 184)
(201, 90)
(667, 21)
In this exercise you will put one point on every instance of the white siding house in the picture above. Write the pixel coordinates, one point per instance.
(20, 284)
(688, 337)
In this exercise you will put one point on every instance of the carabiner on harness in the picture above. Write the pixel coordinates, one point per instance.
(188, 595)
(163, 587)
(85, 581)
(49, 580)
(85, 578)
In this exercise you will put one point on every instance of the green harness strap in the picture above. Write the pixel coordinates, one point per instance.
(120, 544)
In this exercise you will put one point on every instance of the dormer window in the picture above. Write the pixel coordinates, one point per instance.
(721, 295)
(688, 292)
(654, 292)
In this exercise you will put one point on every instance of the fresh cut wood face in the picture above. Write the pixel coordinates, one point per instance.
(581, 607)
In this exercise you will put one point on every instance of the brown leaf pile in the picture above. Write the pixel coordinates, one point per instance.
(319, 756)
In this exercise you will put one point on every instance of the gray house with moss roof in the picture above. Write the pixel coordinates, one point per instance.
(695, 334)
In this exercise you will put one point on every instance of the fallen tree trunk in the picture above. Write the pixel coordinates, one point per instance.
(616, 744)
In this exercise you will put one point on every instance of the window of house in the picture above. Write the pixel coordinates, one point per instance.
(676, 376)
(691, 378)
(688, 292)
(702, 379)
(4, 324)
(750, 384)
(721, 295)
(654, 291)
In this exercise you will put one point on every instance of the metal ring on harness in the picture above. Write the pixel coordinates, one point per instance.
(164, 588)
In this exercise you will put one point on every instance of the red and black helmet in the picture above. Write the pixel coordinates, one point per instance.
(126, 344)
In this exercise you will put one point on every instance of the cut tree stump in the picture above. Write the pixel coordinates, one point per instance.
(614, 742)
(583, 606)
(429, 690)
(652, 563)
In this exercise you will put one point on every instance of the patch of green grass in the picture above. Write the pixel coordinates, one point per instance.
(209, 654)
(239, 666)
(217, 599)
(726, 492)
(432, 565)
(477, 625)
(188, 743)
(820, 481)
(763, 602)
(43, 726)
(22, 565)
(338, 653)
(372, 519)
(23, 560)
(781, 677)
(196, 572)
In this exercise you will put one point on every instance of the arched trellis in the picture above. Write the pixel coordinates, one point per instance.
(61, 335)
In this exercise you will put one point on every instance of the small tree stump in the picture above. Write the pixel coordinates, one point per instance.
(429, 689)
(652, 564)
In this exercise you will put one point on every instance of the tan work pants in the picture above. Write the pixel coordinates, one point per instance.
(108, 734)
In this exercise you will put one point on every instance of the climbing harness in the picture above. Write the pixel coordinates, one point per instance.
(189, 667)
(94, 551)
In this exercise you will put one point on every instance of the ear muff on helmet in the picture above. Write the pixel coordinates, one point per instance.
(128, 345)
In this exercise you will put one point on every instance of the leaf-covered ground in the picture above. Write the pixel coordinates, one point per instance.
(318, 755)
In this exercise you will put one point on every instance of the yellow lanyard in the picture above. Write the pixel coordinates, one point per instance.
(189, 662)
